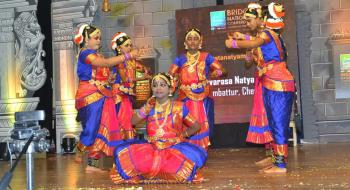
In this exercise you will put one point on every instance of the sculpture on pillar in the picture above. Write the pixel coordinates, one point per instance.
(30, 70)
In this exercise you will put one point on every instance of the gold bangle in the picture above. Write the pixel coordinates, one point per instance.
(122, 58)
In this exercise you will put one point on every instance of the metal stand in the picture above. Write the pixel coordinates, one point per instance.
(30, 166)
(6, 179)
(26, 127)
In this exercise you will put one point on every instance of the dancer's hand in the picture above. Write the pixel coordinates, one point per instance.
(238, 36)
(249, 56)
(135, 53)
(151, 102)
(228, 43)
(235, 35)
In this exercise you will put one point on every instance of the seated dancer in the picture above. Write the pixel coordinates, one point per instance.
(165, 157)
(124, 77)
(274, 85)
(193, 69)
(93, 100)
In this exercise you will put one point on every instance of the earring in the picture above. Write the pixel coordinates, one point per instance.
(153, 96)
(170, 95)
(119, 51)
(186, 47)
(200, 46)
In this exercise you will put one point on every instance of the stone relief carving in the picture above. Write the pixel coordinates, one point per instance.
(92, 7)
(31, 73)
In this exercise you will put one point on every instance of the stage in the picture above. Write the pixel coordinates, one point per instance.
(321, 166)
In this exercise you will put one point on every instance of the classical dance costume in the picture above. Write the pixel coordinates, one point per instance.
(95, 105)
(193, 72)
(124, 76)
(273, 97)
(165, 157)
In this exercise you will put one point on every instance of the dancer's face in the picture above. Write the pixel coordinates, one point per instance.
(94, 42)
(253, 23)
(193, 42)
(160, 88)
(126, 47)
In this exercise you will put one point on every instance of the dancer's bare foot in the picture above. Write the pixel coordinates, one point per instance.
(264, 162)
(91, 169)
(78, 158)
(265, 168)
(275, 170)
(198, 178)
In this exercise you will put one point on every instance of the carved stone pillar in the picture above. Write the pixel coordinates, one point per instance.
(7, 54)
(66, 16)
(22, 70)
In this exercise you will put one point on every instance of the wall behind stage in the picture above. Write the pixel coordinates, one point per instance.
(233, 95)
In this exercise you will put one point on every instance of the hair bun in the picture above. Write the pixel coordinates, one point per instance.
(276, 10)
(78, 37)
(119, 36)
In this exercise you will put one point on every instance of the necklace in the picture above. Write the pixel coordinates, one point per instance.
(159, 108)
(192, 59)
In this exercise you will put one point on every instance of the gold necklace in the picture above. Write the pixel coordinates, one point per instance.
(192, 60)
(159, 108)
(192, 57)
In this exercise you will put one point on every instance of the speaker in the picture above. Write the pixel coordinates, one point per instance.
(68, 144)
(4, 152)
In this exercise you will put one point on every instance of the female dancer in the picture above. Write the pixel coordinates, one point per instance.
(193, 70)
(93, 99)
(123, 79)
(166, 157)
(275, 84)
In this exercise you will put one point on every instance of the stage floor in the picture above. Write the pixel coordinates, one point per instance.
(321, 166)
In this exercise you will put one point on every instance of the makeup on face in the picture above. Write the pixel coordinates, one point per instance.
(160, 88)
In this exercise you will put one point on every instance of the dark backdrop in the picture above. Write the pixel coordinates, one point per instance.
(45, 93)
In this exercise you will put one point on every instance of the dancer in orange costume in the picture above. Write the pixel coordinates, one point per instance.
(124, 77)
(166, 157)
(193, 69)
(93, 100)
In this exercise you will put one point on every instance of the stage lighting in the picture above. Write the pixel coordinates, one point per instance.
(106, 6)
(68, 144)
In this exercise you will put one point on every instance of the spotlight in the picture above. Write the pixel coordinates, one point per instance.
(106, 6)
(69, 142)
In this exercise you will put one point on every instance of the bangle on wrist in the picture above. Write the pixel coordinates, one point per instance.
(122, 58)
(141, 113)
(127, 56)
(234, 44)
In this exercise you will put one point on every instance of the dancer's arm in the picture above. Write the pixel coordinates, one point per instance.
(240, 36)
(190, 122)
(100, 61)
(143, 112)
(247, 43)
(216, 69)
(191, 130)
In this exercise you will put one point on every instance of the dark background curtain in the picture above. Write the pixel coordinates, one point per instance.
(46, 92)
